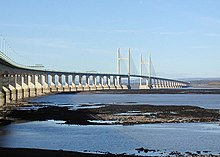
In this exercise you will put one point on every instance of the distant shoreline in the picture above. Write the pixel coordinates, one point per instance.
(151, 91)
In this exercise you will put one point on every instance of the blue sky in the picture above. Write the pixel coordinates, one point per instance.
(82, 35)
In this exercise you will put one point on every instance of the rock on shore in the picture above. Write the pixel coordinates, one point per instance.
(26, 152)
(120, 114)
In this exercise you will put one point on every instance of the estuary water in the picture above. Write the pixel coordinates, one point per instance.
(201, 100)
(164, 138)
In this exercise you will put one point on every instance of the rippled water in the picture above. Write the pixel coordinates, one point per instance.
(202, 100)
(115, 139)
(183, 137)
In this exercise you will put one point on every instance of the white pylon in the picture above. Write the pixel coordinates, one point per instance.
(149, 66)
(118, 61)
(119, 58)
(148, 63)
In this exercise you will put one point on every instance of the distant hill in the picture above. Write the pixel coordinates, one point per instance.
(204, 82)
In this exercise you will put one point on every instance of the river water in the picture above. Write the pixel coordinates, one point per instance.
(185, 137)
(201, 100)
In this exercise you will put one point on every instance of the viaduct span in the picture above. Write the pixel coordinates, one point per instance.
(19, 82)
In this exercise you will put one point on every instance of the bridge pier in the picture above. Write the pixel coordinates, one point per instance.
(79, 87)
(2, 99)
(86, 85)
(118, 82)
(144, 86)
(166, 84)
(53, 87)
(114, 81)
(73, 88)
(111, 83)
(156, 83)
(7, 95)
(19, 87)
(66, 87)
(59, 84)
(73, 85)
(170, 84)
(31, 85)
(99, 85)
(12, 87)
(159, 84)
(25, 86)
(163, 84)
(93, 84)
(107, 83)
(5, 88)
(38, 85)
(45, 84)
(152, 83)
(2, 95)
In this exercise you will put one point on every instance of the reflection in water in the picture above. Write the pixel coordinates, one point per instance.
(4, 132)
(114, 138)
(201, 100)
(51, 134)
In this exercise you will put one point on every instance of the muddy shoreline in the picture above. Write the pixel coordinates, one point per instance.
(118, 114)
(107, 114)
(27, 152)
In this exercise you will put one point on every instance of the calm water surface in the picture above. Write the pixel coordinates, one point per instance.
(202, 100)
(117, 138)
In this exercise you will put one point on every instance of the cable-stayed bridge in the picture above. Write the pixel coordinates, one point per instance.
(18, 81)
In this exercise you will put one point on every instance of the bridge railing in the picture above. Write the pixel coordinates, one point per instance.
(25, 67)
(12, 62)
(160, 78)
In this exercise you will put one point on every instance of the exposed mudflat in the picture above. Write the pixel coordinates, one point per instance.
(143, 114)
(106, 114)
(119, 114)
(25, 152)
